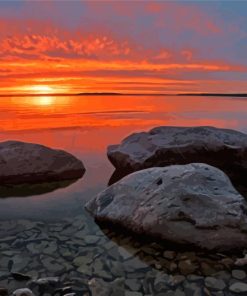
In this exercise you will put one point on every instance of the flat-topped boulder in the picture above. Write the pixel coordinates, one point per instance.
(167, 145)
(193, 205)
(22, 162)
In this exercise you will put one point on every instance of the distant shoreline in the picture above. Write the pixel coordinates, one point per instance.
(129, 94)
(213, 95)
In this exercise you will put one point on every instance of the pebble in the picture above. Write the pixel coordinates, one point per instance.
(133, 284)
(218, 293)
(134, 264)
(52, 265)
(227, 262)
(239, 274)
(161, 282)
(124, 253)
(194, 278)
(207, 269)
(91, 239)
(82, 260)
(241, 261)
(169, 255)
(23, 292)
(192, 289)
(64, 290)
(46, 282)
(179, 293)
(19, 262)
(100, 272)
(176, 280)
(98, 287)
(186, 267)
(238, 287)
(223, 275)
(215, 284)
(173, 266)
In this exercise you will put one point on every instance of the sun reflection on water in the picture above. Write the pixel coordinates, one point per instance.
(43, 101)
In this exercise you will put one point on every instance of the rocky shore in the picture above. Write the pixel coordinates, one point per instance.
(168, 145)
(76, 257)
(176, 225)
(180, 193)
(192, 205)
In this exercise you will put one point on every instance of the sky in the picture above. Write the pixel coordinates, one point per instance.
(123, 46)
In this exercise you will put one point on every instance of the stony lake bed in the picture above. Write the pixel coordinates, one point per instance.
(76, 257)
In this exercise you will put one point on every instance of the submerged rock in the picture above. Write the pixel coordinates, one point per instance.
(32, 163)
(166, 145)
(192, 204)
(238, 288)
(241, 261)
(23, 292)
(99, 287)
(214, 283)
(238, 274)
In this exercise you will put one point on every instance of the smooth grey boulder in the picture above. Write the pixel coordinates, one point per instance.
(167, 145)
(22, 162)
(192, 204)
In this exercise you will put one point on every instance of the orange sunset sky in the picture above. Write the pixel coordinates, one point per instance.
(122, 46)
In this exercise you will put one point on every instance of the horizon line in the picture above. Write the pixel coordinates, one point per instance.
(122, 94)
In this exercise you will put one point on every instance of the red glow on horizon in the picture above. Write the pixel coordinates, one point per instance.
(59, 58)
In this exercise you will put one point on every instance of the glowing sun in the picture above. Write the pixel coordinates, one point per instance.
(41, 89)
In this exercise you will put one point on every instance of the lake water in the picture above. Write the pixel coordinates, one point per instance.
(50, 234)
(86, 125)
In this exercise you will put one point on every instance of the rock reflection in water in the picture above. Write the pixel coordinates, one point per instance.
(118, 175)
(24, 190)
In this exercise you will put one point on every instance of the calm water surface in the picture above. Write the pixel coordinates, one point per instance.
(85, 126)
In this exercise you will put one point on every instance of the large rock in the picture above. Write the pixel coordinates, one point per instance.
(162, 146)
(31, 163)
(192, 204)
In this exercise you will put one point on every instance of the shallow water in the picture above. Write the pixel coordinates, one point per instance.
(45, 230)
(85, 126)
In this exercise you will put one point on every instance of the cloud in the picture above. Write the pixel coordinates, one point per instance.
(156, 42)
(188, 54)
(187, 17)
(53, 46)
